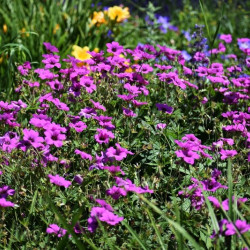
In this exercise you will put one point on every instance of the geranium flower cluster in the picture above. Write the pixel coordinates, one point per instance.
(69, 130)
(190, 147)
(227, 228)
(103, 213)
(195, 191)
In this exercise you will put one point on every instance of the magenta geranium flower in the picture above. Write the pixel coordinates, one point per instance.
(242, 226)
(118, 153)
(55, 229)
(5, 203)
(59, 181)
(188, 155)
(30, 138)
(5, 191)
(24, 69)
(54, 138)
(212, 185)
(114, 48)
(105, 205)
(33, 137)
(9, 141)
(103, 136)
(128, 112)
(215, 201)
(227, 153)
(116, 192)
(51, 61)
(97, 105)
(165, 108)
(110, 218)
(78, 179)
(88, 112)
(114, 169)
(88, 84)
(104, 215)
(50, 47)
(78, 126)
(131, 187)
(83, 155)
(226, 37)
(161, 126)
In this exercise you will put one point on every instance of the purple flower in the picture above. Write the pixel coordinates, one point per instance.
(97, 105)
(222, 226)
(60, 105)
(88, 112)
(92, 224)
(51, 61)
(24, 69)
(216, 174)
(103, 136)
(197, 199)
(78, 179)
(227, 38)
(161, 126)
(103, 215)
(165, 108)
(45, 74)
(115, 48)
(116, 192)
(32, 137)
(119, 153)
(54, 137)
(242, 226)
(130, 186)
(9, 141)
(227, 153)
(215, 201)
(55, 85)
(114, 169)
(50, 47)
(188, 155)
(212, 185)
(55, 229)
(88, 84)
(143, 68)
(110, 218)
(5, 203)
(59, 181)
(128, 112)
(5, 191)
(83, 155)
(104, 204)
(225, 203)
(204, 100)
(78, 126)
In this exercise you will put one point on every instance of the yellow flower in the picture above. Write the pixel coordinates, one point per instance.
(98, 18)
(23, 30)
(5, 28)
(56, 28)
(96, 50)
(118, 13)
(81, 53)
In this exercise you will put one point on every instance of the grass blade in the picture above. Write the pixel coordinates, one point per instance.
(134, 234)
(65, 225)
(205, 20)
(156, 229)
(173, 223)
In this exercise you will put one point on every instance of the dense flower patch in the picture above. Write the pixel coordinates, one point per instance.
(95, 135)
